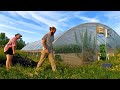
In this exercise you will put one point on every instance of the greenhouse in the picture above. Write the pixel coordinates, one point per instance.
(83, 43)
(34, 46)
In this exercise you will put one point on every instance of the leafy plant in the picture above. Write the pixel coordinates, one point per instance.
(103, 52)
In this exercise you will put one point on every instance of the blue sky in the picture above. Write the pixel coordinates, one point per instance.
(34, 24)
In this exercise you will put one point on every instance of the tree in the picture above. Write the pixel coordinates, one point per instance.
(3, 39)
(2, 36)
(103, 51)
(20, 44)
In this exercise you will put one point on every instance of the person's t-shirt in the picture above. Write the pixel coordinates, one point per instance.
(12, 42)
(49, 39)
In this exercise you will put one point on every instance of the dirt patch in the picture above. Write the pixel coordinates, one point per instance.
(17, 59)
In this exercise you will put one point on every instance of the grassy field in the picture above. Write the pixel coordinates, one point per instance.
(90, 71)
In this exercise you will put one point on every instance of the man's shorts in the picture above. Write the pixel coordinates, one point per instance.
(9, 51)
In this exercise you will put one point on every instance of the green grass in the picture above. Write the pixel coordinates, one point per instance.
(2, 55)
(90, 71)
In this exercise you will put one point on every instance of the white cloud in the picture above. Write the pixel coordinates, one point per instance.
(64, 19)
(9, 27)
(88, 19)
(23, 14)
(112, 15)
(18, 24)
(42, 19)
(50, 18)
(113, 20)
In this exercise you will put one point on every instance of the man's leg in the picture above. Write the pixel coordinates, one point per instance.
(52, 61)
(42, 58)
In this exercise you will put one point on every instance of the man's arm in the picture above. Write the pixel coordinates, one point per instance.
(44, 39)
(44, 43)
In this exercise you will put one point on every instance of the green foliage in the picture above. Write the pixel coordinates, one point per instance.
(58, 58)
(118, 50)
(89, 71)
(2, 55)
(72, 48)
(87, 39)
(103, 52)
(20, 44)
(2, 36)
(3, 42)
(92, 70)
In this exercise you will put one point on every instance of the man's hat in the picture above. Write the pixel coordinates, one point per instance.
(52, 27)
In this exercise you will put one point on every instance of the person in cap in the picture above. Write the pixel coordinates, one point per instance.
(10, 49)
(48, 49)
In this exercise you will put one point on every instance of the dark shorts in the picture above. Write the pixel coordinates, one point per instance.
(9, 51)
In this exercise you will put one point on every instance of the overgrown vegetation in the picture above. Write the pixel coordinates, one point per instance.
(2, 55)
(89, 71)
(71, 48)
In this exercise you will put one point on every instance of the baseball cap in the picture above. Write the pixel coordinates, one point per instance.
(18, 34)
